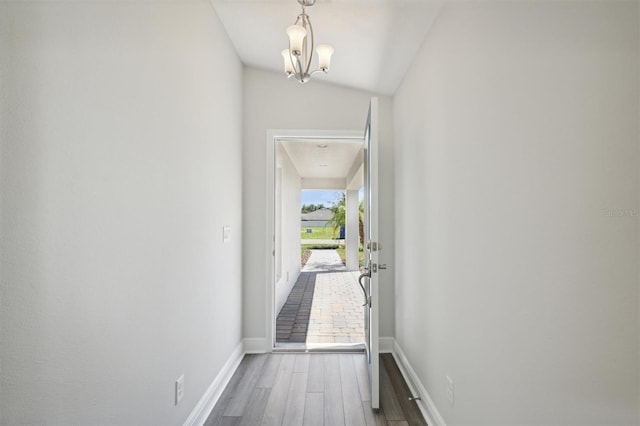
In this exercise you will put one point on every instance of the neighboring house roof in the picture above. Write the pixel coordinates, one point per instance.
(322, 214)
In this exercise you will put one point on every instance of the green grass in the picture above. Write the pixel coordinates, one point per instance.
(319, 233)
(343, 255)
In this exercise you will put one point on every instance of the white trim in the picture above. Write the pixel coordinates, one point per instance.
(269, 235)
(256, 345)
(203, 408)
(311, 134)
(385, 345)
(426, 404)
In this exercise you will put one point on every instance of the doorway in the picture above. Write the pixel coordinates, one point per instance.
(368, 280)
(315, 300)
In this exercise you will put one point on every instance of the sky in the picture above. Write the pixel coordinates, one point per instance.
(328, 198)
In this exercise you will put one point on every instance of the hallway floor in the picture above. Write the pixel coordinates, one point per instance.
(325, 304)
(313, 389)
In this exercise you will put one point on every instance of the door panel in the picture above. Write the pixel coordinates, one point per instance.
(369, 278)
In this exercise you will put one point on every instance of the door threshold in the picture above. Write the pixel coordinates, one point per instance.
(320, 347)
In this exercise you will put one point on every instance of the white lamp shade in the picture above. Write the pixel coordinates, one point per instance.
(296, 38)
(324, 56)
(288, 66)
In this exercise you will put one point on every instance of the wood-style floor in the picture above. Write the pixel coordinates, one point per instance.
(313, 389)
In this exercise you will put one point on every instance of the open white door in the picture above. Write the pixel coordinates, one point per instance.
(369, 278)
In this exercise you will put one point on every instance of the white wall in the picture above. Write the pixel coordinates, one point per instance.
(517, 131)
(270, 101)
(290, 226)
(121, 162)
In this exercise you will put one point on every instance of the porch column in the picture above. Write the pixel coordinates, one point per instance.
(352, 236)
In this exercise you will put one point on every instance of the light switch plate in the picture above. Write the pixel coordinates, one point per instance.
(226, 234)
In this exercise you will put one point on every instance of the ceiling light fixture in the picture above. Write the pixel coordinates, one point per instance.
(297, 58)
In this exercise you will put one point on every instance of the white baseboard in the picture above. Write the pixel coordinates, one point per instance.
(426, 404)
(385, 345)
(255, 345)
(203, 408)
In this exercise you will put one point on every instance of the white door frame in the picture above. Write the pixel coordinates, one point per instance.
(273, 136)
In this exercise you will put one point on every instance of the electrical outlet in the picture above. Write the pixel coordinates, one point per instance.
(450, 390)
(179, 389)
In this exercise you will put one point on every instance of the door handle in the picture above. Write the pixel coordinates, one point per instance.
(367, 299)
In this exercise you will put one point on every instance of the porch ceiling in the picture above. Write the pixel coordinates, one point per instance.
(329, 160)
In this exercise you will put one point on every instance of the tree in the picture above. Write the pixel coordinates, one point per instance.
(361, 222)
(339, 218)
(308, 208)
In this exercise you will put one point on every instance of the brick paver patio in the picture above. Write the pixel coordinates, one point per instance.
(324, 306)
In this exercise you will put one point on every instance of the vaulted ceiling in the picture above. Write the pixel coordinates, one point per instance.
(375, 41)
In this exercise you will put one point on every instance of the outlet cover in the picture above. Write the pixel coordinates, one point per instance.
(179, 389)
(450, 394)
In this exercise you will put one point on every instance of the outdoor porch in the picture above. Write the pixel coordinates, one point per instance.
(325, 304)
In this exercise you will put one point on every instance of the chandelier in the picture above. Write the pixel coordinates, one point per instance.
(297, 58)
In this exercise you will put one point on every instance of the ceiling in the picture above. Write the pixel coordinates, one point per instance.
(330, 160)
(375, 41)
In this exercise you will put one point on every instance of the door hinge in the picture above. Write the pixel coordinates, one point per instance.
(374, 246)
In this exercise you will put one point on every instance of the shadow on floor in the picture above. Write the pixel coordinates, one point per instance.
(292, 323)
